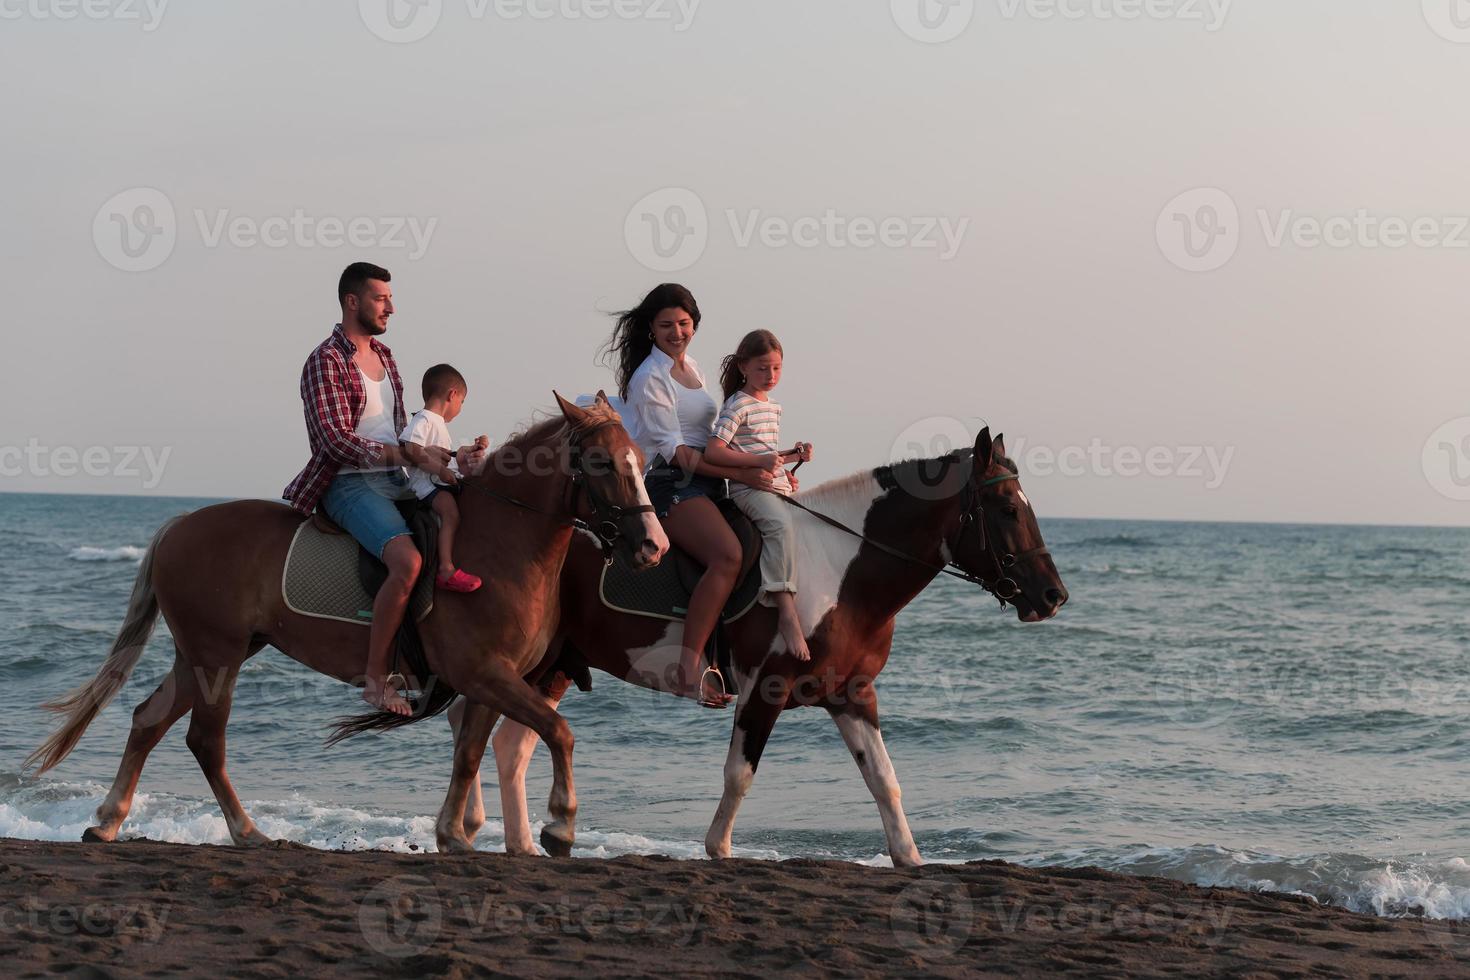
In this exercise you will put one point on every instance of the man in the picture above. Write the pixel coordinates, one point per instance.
(353, 398)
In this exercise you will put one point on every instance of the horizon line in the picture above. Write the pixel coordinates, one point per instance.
(1053, 517)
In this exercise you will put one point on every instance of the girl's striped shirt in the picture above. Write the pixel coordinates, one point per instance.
(752, 426)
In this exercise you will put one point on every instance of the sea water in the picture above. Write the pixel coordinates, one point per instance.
(1278, 707)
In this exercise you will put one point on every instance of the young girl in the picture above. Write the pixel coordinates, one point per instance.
(748, 434)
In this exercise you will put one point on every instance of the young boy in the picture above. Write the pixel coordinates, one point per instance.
(444, 391)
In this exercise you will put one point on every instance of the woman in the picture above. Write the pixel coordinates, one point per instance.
(670, 415)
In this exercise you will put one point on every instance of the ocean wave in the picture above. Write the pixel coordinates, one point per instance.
(60, 811)
(1392, 888)
(125, 553)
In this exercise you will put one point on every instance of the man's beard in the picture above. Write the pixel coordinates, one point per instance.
(370, 324)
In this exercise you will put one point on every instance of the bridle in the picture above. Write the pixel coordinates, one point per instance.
(972, 514)
(607, 515)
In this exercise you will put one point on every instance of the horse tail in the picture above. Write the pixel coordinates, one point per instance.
(83, 704)
(436, 700)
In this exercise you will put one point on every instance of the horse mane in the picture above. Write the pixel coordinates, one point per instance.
(557, 426)
(885, 476)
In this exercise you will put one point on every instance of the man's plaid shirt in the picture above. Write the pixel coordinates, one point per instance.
(333, 398)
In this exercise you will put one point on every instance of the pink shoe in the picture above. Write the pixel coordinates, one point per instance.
(460, 581)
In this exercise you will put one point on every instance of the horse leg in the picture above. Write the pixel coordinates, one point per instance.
(458, 821)
(857, 720)
(501, 690)
(474, 814)
(514, 745)
(153, 717)
(206, 739)
(754, 719)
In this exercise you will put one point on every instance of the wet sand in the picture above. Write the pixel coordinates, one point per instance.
(139, 907)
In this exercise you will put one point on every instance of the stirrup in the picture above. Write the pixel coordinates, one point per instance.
(397, 684)
(706, 702)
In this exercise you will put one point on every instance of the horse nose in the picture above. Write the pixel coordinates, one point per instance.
(1055, 596)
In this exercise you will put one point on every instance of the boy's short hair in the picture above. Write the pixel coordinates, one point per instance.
(439, 379)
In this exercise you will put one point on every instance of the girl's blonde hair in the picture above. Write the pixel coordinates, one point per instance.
(754, 344)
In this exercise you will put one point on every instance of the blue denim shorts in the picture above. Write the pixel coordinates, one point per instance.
(362, 505)
(668, 485)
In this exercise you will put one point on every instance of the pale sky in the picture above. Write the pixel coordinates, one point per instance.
(940, 231)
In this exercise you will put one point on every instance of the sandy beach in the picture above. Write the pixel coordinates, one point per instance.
(142, 907)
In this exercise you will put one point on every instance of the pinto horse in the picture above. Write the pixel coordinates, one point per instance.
(215, 574)
(963, 513)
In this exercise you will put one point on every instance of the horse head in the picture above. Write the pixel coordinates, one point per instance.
(608, 466)
(998, 540)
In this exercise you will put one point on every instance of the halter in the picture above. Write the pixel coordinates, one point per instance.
(608, 515)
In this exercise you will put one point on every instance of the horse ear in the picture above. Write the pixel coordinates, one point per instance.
(998, 447)
(572, 412)
(983, 450)
(602, 401)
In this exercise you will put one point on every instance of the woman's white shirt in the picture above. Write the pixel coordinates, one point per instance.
(668, 414)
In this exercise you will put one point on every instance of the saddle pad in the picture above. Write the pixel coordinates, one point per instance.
(321, 579)
(659, 593)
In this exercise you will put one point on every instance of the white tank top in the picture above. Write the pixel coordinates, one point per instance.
(376, 424)
(696, 411)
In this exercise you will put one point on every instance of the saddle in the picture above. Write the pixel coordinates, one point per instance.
(663, 592)
(328, 575)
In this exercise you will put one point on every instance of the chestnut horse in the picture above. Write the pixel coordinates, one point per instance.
(216, 576)
(963, 513)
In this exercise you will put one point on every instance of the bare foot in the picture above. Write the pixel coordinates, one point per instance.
(380, 694)
(790, 627)
(795, 642)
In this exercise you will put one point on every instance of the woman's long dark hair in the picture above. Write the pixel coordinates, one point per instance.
(754, 344)
(632, 338)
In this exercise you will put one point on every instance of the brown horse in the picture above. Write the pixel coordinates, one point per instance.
(963, 511)
(216, 576)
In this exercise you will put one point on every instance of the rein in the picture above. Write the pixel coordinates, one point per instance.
(972, 514)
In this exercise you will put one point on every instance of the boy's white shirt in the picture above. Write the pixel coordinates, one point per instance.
(426, 428)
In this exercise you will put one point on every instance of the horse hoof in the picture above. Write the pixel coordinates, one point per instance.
(93, 835)
(254, 839)
(554, 845)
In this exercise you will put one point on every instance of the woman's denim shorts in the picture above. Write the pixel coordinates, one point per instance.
(668, 485)
(362, 505)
